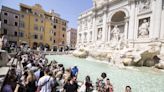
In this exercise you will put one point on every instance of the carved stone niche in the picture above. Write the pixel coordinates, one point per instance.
(143, 5)
(144, 28)
(99, 20)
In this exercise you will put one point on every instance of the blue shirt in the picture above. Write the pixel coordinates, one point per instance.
(74, 71)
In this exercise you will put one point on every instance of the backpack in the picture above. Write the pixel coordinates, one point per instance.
(100, 86)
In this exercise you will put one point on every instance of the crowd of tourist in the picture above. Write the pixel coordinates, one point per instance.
(33, 73)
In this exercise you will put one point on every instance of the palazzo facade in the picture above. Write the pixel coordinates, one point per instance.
(132, 21)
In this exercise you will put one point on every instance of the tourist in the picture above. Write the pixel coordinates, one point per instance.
(9, 84)
(30, 82)
(39, 73)
(50, 77)
(45, 83)
(74, 71)
(67, 74)
(10, 81)
(100, 84)
(60, 82)
(128, 89)
(61, 68)
(7, 87)
(71, 85)
(108, 86)
(88, 84)
(29, 65)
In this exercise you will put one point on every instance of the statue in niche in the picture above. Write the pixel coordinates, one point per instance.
(99, 36)
(115, 33)
(144, 29)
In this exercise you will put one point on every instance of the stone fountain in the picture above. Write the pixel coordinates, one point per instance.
(120, 53)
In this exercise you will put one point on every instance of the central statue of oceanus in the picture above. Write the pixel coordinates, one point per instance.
(116, 33)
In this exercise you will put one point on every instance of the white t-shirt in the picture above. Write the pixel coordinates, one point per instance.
(48, 86)
(60, 86)
(29, 65)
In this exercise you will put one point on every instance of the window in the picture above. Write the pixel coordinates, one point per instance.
(56, 20)
(16, 23)
(35, 27)
(16, 16)
(21, 34)
(54, 41)
(15, 34)
(5, 31)
(35, 36)
(6, 13)
(54, 26)
(5, 21)
(54, 33)
(21, 24)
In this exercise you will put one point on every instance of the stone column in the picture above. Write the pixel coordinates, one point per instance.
(131, 21)
(104, 36)
(162, 27)
(157, 11)
(109, 31)
(126, 30)
(94, 37)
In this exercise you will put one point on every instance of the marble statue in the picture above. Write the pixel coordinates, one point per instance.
(116, 33)
(144, 5)
(97, 3)
(94, 3)
(99, 36)
(144, 29)
(147, 4)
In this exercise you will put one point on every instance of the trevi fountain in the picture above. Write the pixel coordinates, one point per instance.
(125, 39)
(123, 32)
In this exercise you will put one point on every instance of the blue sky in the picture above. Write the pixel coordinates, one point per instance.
(68, 9)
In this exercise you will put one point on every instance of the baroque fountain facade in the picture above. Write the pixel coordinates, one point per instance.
(124, 32)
